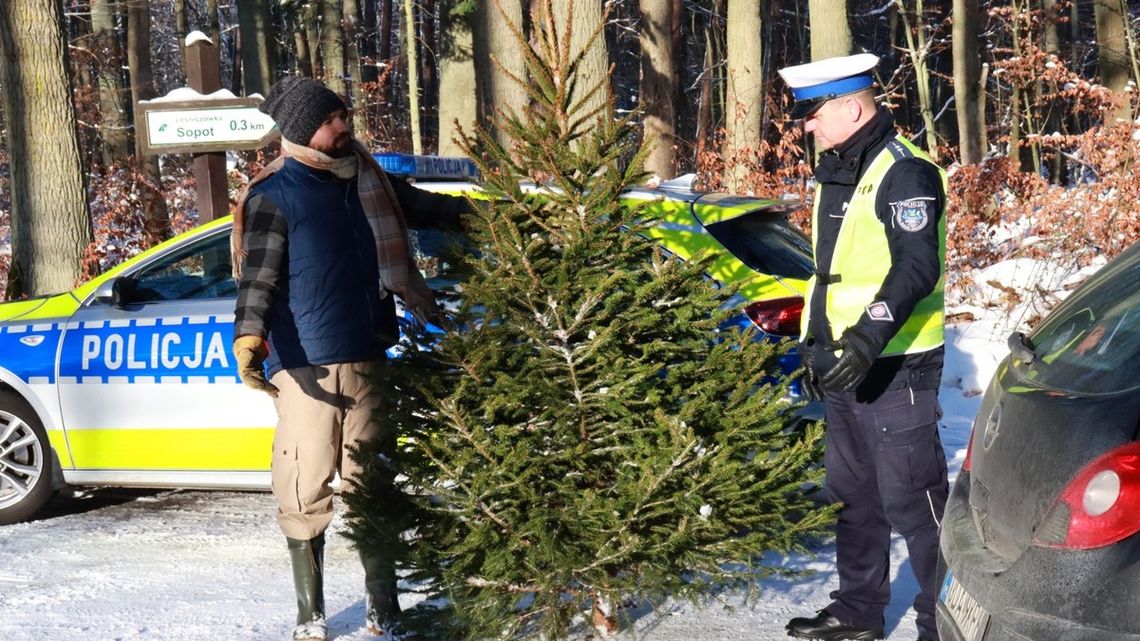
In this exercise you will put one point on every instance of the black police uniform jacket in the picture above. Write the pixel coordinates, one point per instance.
(916, 265)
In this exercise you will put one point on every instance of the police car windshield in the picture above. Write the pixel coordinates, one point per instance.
(766, 243)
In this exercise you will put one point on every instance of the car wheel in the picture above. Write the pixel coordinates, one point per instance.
(25, 460)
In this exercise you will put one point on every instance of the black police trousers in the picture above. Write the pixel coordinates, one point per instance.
(885, 464)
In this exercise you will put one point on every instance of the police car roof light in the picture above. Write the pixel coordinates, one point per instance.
(427, 167)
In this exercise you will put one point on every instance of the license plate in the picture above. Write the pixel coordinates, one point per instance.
(967, 614)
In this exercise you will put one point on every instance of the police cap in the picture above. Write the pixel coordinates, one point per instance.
(815, 83)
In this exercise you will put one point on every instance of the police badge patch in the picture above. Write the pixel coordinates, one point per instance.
(879, 312)
(911, 215)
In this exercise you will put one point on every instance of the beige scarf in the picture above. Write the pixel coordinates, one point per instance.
(398, 270)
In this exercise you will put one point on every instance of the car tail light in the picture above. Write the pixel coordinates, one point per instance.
(1099, 506)
(969, 452)
(778, 316)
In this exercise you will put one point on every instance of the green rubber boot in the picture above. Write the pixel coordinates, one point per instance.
(381, 605)
(308, 581)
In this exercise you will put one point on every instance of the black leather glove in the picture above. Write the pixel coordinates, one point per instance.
(809, 380)
(854, 362)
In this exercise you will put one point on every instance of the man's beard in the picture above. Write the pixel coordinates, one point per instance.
(342, 148)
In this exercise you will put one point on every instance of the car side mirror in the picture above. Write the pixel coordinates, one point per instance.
(1021, 348)
(123, 290)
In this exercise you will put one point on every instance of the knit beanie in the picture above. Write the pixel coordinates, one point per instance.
(300, 106)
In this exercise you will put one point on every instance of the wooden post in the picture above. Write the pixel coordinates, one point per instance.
(203, 74)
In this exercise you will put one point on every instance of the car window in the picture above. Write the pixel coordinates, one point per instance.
(197, 271)
(434, 251)
(767, 243)
(1091, 344)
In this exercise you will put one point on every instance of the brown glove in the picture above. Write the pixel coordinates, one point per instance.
(250, 352)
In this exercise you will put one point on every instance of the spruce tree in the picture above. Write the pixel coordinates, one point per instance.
(592, 430)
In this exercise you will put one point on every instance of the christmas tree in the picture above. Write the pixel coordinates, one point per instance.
(592, 431)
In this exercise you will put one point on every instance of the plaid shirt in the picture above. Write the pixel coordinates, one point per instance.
(266, 237)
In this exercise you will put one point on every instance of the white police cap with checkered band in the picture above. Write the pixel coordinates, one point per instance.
(815, 83)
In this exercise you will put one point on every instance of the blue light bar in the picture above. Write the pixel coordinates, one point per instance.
(427, 167)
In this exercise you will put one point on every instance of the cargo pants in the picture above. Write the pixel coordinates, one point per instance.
(884, 462)
(321, 412)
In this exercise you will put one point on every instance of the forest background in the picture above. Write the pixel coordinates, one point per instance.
(1031, 105)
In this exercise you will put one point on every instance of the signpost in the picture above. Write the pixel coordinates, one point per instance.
(203, 125)
(199, 126)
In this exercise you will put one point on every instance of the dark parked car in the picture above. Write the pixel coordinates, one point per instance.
(1039, 538)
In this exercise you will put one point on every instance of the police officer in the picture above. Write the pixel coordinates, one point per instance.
(872, 342)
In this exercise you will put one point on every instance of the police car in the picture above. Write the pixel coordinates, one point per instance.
(128, 379)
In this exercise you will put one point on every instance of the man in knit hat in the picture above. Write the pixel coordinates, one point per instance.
(320, 246)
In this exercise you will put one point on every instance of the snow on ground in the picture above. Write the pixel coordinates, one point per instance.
(124, 565)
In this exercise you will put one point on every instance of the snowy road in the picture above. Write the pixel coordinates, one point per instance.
(190, 566)
(185, 565)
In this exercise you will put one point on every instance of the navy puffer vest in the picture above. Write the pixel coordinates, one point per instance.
(328, 307)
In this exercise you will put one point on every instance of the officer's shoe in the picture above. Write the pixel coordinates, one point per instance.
(825, 627)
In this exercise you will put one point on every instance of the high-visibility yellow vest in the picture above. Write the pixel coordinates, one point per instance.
(862, 259)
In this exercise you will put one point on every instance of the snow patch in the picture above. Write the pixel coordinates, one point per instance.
(183, 94)
(197, 36)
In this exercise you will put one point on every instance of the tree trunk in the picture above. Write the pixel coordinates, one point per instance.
(351, 28)
(684, 113)
(1015, 124)
(214, 26)
(496, 61)
(385, 34)
(712, 91)
(156, 216)
(704, 99)
(83, 63)
(429, 64)
(50, 222)
(1113, 56)
(456, 78)
(657, 76)
(304, 65)
(918, 51)
(677, 32)
(332, 46)
(413, 76)
(1020, 100)
(311, 25)
(586, 38)
(181, 28)
(1053, 122)
(940, 67)
(369, 33)
(969, 93)
(1052, 35)
(384, 56)
(744, 91)
(830, 33)
(114, 141)
(258, 55)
